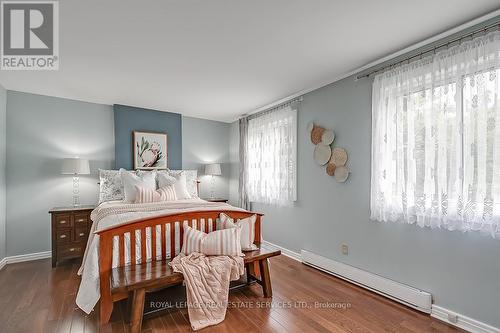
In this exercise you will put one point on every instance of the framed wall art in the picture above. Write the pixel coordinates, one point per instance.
(150, 150)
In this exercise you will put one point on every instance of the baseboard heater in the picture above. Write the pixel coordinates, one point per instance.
(399, 292)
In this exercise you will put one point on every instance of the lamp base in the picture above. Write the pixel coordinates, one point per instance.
(76, 191)
(212, 188)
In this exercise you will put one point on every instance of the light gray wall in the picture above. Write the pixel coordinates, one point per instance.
(3, 111)
(206, 141)
(460, 270)
(41, 131)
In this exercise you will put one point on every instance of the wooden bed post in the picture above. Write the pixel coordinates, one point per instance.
(253, 267)
(258, 232)
(105, 262)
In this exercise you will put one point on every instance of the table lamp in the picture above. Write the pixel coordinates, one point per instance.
(75, 167)
(212, 170)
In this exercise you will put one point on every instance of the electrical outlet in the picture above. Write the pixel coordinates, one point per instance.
(345, 249)
(452, 318)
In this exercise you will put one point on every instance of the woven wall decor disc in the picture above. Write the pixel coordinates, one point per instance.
(327, 137)
(330, 169)
(322, 154)
(339, 156)
(316, 134)
(341, 174)
(310, 126)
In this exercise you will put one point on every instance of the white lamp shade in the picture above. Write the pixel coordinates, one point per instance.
(213, 169)
(75, 166)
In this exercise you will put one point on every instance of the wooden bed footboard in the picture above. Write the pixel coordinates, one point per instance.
(166, 242)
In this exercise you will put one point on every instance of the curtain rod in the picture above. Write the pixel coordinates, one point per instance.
(273, 108)
(433, 49)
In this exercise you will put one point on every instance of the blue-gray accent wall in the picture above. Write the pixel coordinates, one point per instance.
(129, 119)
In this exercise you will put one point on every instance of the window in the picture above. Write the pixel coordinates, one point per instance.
(436, 140)
(272, 157)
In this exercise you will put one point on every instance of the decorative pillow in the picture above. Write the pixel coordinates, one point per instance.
(164, 179)
(216, 243)
(144, 195)
(191, 180)
(130, 180)
(110, 185)
(179, 184)
(247, 226)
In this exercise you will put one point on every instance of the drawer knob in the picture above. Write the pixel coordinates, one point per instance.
(62, 221)
(81, 220)
(72, 249)
(62, 236)
(82, 234)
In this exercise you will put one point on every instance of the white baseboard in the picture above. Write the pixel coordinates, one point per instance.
(286, 252)
(402, 293)
(3, 262)
(25, 257)
(464, 322)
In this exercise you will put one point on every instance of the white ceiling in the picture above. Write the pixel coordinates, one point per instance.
(218, 59)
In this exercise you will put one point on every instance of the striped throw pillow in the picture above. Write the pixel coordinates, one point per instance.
(247, 226)
(216, 243)
(146, 195)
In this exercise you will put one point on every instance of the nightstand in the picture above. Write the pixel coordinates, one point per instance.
(215, 199)
(70, 231)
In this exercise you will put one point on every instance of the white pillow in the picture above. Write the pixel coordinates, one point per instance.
(130, 180)
(179, 183)
(191, 180)
(247, 226)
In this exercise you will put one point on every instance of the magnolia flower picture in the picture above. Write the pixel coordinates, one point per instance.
(150, 150)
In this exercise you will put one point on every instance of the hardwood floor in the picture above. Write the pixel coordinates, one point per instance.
(36, 298)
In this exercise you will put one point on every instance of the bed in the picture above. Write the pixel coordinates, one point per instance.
(157, 232)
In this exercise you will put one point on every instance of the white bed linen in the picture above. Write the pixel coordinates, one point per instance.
(89, 292)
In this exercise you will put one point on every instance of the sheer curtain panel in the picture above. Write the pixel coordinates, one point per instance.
(272, 157)
(243, 179)
(436, 139)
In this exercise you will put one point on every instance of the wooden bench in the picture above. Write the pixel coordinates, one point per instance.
(121, 283)
(137, 280)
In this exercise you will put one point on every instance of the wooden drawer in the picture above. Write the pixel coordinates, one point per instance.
(81, 235)
(63, 221)
(63, 235)
(81, 220)
(70, 232)
(72, 250)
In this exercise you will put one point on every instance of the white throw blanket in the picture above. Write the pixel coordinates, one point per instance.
(207, 281)
(112, 214)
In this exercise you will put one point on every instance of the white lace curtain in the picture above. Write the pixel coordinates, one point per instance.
(436, 140)
(272, 157)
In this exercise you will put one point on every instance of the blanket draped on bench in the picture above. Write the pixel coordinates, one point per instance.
(207, 281)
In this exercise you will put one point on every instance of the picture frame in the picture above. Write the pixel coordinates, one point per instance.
(149, 150)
